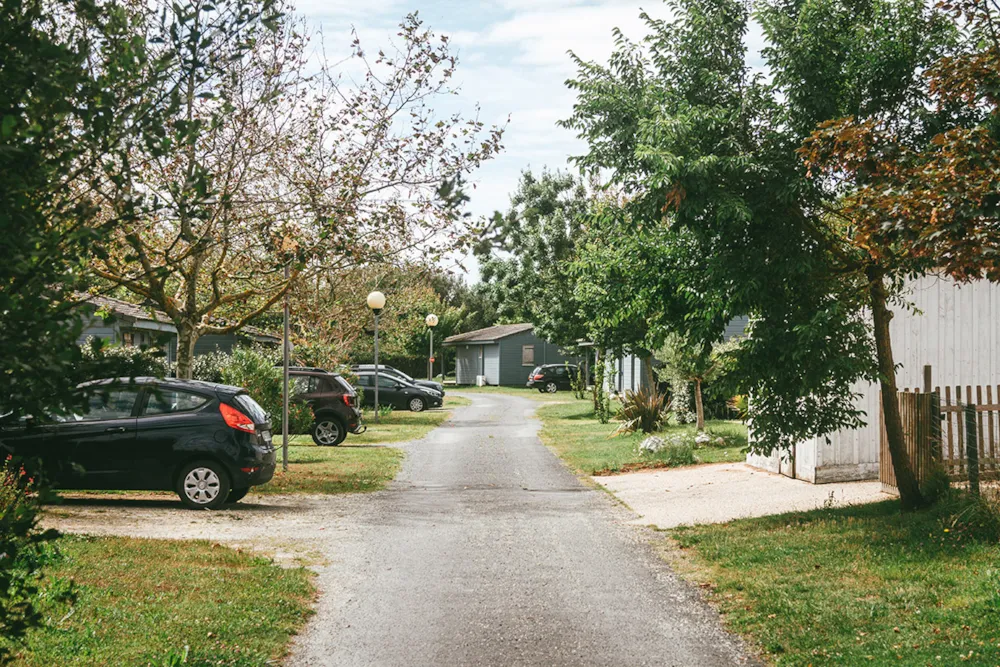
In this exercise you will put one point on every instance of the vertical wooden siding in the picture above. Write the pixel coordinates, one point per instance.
(954, 328)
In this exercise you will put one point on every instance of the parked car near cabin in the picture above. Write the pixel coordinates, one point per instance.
(398, 374)
(210, 443)
(397, 393)
(550, 378)
(333, 401)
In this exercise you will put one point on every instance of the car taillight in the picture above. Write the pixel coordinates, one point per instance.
(347, 400)
(539, 376)
(236, 419)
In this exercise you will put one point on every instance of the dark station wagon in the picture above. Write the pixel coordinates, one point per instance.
(210, 443)
(550, 378)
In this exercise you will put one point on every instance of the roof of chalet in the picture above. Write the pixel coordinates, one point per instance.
(489, 334)
(146, 314)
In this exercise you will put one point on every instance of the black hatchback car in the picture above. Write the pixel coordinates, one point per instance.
(397, 393)
(550, 378)
(333, 401)
(207, 442)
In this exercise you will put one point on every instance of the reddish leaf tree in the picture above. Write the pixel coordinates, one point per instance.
(912, 209)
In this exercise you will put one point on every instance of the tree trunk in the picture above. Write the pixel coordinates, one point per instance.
(598, 379)
(699, 406)
(187, 336)
(909, 489)
(650, 380)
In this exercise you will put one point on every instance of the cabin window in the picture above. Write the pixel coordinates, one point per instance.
(527, 355)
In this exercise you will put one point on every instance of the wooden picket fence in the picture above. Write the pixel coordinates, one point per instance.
(921, 432)
(955, 431)
(943, 427)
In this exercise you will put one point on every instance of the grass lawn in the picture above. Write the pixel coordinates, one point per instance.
(853, 586)
(573, 432)
(348, 468)
(356, 465)
(397, 426)
(558, 397)
(139, 600)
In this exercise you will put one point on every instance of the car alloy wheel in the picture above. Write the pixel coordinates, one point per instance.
(327, 433)
(202, 486)
(416, 404)
(551, 387)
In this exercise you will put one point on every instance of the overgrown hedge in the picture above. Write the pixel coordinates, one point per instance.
(253, 368)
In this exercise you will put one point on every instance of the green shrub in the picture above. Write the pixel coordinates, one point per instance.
(210, 367)
(578, 381)
(253, 368)
(677, 454)
(644, 410)
(24, 554)
(103, 360)
(602, 400)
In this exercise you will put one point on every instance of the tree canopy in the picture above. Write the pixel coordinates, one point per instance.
(524, 255)
(706, 155)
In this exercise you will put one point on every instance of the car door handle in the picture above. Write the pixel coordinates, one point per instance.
(116, 429)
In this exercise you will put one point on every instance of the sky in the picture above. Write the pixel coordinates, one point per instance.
(513, 62)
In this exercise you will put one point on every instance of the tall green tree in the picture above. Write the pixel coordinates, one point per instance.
(525, 254)
(69, 103)
(706, 150)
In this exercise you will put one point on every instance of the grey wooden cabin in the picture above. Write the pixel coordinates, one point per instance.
(503, 355)
(123, 323)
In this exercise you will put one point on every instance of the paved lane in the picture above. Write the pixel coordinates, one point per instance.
(487, 551)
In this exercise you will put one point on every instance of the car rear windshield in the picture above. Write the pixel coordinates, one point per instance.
(251, 408)
(344, 384)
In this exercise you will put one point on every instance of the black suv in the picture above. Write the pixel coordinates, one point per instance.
(400, 375)
(398, 393)
(207, 442)
(333, 401)
(551, 378)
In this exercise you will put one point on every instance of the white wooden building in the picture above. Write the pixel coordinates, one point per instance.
(953, 328)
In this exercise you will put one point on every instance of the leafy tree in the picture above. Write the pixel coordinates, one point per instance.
(274, 168)
(469, 308)
(67, 85)
(695, 363)
(624, 275)
(65, 81)
(870, 60)
(704, 153)
(524, 255)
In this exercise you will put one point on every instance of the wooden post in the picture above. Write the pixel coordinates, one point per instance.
(972, 448)
(927, 379)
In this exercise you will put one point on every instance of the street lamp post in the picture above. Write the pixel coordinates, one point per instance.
(376, 301)
(432, 321)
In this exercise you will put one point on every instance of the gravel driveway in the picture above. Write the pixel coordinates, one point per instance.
(485, 551)
(725, 491)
